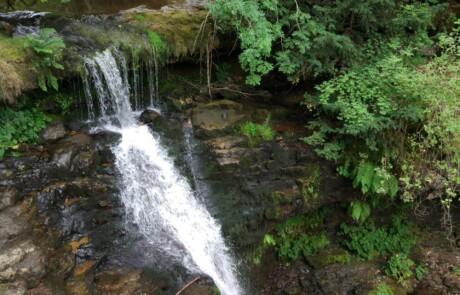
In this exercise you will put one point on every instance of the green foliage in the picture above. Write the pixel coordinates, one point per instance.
(456, 271)
(433, 155)
(64, 102)
(255, 133)
(368, 241)
(381, 289)
(310, 38)
(48, 47)
(420, 272)
(338, 259)
(375, 180)
(293, 247)
(158, 45)
(400, 267)
(297, 237)
(392, 125)
(362, 109)
(360, 211)
(22, 126)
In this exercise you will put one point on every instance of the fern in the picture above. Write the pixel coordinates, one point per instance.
(48, 47)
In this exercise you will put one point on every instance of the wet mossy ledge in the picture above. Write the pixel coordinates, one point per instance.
(169, 35)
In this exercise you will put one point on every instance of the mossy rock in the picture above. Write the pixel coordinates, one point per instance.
(17, 75)
(186, 32)
(328, 257)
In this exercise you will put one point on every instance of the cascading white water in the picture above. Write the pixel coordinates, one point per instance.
(155, 194)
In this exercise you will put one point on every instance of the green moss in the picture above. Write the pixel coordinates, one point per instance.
(157, 43)
(126, 39)
(257, 133)
(381, 289)
(456, 271)
(329, 256)
(185, 32)
(339, 259)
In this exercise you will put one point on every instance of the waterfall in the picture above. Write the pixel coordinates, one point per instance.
(157, 197)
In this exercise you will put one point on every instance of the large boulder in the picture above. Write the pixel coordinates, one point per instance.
(149, 116)
(76, 154)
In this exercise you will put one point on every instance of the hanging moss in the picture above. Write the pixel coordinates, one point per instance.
(185, 32)
(160, 47)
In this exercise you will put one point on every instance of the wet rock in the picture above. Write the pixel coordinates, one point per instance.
(119, 282)
(76, 153)
(40, 290)
(61, 263)
(197, 289)
(77, 287)
(8, 197)
(441, 278)
(296, 279)
(340, 279)
(149, 116)
(16, 288)
(83, 268)
(84, 162)
(22, 260)
(217, 115)
(226, 149)
(53, 131)
(12, 224)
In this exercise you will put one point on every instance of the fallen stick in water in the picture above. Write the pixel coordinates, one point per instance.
(188, 285)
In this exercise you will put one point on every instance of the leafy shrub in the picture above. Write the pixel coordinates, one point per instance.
(293, 247)
(302, 39)
(433, 154)
(364, 109)
(400, 267)
(255, 133)
(381, 289)
(18, 127)
(393, 127)
(48, 47)
(360, 211)
(297, 237)
(368, 241)
(64, 101)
